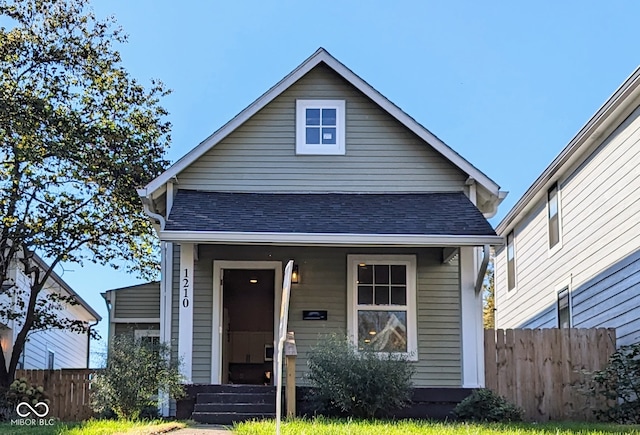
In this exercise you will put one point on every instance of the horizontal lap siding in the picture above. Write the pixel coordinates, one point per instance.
(381, 154)
(600, 213)
(323, 287)
(141, 301)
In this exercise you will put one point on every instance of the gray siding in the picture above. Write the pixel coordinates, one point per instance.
(138, 301)
(616, 294)
(381, 154)
(599, 214)
(323, 286)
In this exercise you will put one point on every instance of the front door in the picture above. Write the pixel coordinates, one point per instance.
(248, 325)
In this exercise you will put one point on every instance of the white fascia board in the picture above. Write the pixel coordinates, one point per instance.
(619, 105)
(328, 239)
(321, 55)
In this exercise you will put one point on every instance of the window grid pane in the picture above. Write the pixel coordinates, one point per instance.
(383, 331)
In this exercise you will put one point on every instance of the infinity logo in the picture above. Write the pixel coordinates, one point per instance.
(32, 409)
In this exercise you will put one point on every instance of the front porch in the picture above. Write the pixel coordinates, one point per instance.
(446, 331)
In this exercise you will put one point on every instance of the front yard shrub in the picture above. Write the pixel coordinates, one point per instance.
(136, 371)
(21, 391)
(359, 383)
(484, 405)
(619, 382)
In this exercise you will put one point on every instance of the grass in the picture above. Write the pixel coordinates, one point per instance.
(94, 427)
(323, 426)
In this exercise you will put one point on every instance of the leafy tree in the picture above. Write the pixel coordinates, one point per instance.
(136, 370)
(78, 135)
(489, 298)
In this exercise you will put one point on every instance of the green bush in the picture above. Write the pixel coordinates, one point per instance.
(619, 383)
(361, 383)
(484, 405)
(136, 371)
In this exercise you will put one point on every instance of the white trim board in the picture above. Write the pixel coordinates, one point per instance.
(321, 56)
(217, 327)
(329, 239)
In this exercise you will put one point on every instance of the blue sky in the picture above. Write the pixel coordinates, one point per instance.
(506, 84)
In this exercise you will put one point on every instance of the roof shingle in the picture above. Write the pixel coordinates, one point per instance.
(337, 213)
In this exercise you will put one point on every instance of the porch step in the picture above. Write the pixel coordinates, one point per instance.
(227, 404)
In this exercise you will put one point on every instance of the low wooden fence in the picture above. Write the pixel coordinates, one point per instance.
(67, 389)
(541, 370)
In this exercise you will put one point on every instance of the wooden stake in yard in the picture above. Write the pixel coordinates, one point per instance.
(291, 353)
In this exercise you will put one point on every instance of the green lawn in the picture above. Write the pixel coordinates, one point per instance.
(93, 427)
(352, 427)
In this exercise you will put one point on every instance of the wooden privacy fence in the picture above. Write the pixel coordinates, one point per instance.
(67, 390)
(541, 370)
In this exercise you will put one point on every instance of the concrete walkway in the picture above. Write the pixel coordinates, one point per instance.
(203, 429)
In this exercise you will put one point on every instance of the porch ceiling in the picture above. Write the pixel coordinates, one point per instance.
(419, 214)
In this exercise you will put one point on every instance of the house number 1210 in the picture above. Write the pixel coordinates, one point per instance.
(185, 287)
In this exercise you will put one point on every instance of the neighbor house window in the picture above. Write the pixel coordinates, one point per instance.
(151, 336)
(564, 311)
(554, 221)
(511, 262)
(51, 359)
(320, 127)
(383, 303)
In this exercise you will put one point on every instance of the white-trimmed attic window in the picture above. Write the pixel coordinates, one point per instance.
(320, 127)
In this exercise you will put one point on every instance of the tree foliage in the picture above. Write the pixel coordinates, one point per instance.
(78, 135)
(136, 370)
(489, 298)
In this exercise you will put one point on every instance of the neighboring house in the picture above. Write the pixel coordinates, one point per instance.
(572, 257)
(52, 348)
(387, 226)
(134, 309)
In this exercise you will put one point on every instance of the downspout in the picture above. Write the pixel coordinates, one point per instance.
(156, 216)
(483, 267)
(91, 325)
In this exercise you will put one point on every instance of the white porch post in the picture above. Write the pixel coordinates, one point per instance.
(185, 310)
(471, 321)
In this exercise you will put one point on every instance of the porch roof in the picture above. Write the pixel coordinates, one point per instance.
(436, 214)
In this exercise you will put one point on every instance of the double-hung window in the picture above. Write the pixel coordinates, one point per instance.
(320, 127)
(511, 262)
(382, 303)
(564, 309)
(553, 215)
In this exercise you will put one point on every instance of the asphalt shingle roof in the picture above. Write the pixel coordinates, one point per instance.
(338, 213)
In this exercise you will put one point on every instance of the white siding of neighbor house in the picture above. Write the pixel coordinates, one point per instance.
(599, 256)
(70, 348)
(323, 287)
(381, 154)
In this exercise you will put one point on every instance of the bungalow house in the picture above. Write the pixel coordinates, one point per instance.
(49, 348)
(572, 257)
(386, 224)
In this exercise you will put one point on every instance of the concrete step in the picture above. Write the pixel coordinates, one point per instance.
(234, 388)
(229, 417)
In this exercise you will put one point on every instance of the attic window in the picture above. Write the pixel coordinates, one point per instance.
(320, 127)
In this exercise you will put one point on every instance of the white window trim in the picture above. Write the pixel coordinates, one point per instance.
(352, 306)
(565, 284)
(551, 251)
(139, 333)
(301, 146)
(46, 362)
